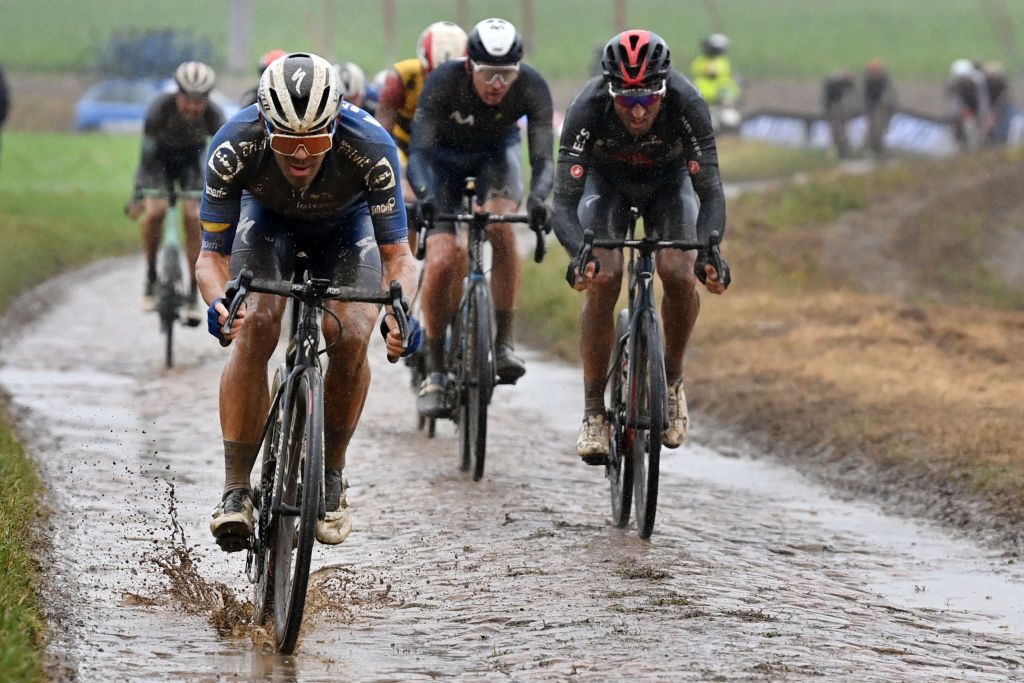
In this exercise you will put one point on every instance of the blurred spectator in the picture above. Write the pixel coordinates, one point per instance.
(250, 95)
(5, 100)
(712, 71)
(879, 104)
(838, 105)
(1000, 102)
(970, 111)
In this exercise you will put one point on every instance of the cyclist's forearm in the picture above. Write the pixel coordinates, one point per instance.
(398, 264)
(566, 222)
(213, 271)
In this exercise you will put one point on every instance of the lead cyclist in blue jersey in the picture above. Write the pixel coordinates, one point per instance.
(299, 171)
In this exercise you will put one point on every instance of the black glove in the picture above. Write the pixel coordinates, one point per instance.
(706, 257)
(426, 207)
(540, 213)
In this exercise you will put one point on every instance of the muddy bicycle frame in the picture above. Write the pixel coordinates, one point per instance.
(471, 353)
(292, 442)
(636, 375)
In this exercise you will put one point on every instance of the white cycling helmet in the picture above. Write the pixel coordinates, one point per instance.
(495, 41)
(299, 92)
(194, 79)
(961, 67)
(440, 42)
(351, 80)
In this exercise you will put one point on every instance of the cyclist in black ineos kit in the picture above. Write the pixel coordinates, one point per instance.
(466, 125)
(640, 135)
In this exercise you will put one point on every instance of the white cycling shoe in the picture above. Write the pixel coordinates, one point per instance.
(678, 417)
(592, 442)
(337, 525)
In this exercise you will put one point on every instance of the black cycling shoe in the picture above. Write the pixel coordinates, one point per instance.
(232, 521)
(433, 398)
(508, 365)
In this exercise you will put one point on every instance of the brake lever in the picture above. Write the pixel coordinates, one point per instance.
(235, 291)
(398, 308)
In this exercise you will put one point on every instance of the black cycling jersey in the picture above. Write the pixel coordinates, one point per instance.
(361, 170)
(594, 140)
(168, 128)
(451, 117)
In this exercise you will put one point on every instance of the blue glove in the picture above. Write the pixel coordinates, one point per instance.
(415, 334)
(213, 319)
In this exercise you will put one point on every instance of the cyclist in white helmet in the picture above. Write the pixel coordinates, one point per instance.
(175, 132)
(400, 94)
(352, 81)
(302, 171)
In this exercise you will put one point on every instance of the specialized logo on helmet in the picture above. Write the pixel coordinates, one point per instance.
(297, 78)
(381, 177)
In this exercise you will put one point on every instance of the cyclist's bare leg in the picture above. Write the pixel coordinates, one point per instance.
(597, 327)
(152, 223)
(348, 375)
(193, 235)
(679, 306)
(507, 268)
(444, 270)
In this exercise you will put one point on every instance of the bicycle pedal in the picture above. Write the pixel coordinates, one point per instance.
(233, 543)
(595, 460)
(507, 380)
(192, 322)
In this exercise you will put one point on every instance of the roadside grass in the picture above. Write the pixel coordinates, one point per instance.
(917, 38)
(60, 206)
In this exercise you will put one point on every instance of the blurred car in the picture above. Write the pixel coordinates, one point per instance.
(120, 104)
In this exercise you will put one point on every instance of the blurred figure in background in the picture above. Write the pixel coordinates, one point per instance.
(879, 104)
(250, 95)
(372, 96)
(5, 101)
(1000, 102)
(712, 72)
(352, 81)
(970, 111)
(838, 105)
(173, 141)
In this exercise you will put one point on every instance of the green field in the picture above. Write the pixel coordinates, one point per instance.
(918, 38)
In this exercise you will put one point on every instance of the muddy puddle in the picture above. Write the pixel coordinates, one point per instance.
(753, 572)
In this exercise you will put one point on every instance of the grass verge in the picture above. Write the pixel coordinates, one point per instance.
(60, 198)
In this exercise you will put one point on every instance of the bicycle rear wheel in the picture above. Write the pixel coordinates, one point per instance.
(619, 468)
(299, 483)
(647, 388)
(169, 291)
(478, 379)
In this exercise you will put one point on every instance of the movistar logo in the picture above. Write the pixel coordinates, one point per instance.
(297, 77)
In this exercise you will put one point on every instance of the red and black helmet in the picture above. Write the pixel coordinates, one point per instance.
(635, 61)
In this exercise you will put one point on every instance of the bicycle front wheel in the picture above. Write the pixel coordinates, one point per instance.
(299, 482)
(619, 468)
(478, 379)
(169, 297)
(647, 389)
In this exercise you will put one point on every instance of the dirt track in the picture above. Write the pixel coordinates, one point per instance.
(751, 574)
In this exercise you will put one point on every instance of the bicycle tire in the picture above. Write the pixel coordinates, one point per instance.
(479, 374)
(456, 356)
(300, 482)
(647, 383)
(263, 545)
(619, 468)
(169, 296)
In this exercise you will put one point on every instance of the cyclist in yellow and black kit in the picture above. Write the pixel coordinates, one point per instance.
(439, 42)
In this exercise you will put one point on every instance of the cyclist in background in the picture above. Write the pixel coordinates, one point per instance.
(396, 106)
(466, 125)
(837, 101)
(5, 99)
(879, 104)
(712, 71)
(970, 109)
(352, 82)
(249, 98)
(174, 136)
(303, 171)
(640, 135)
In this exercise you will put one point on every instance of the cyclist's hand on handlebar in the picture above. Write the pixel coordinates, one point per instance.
(540, 214)
(397, 346)
(580, 281)
(716, 282)
(426, 208)
(217, 315)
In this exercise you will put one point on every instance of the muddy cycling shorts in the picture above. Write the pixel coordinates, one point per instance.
(341, 248)
(668, 206)
(165, 171)
(499, 175)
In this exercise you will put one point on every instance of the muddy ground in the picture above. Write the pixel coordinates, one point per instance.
(752, 574)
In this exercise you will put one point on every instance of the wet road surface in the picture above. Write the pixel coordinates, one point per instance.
(752, 573)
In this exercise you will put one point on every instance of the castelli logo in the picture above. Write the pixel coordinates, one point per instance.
(577, 171)
(694, 166)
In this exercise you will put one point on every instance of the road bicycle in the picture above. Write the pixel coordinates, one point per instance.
(172, 289)
(289, 498)
(470, 342)
(638, 406)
